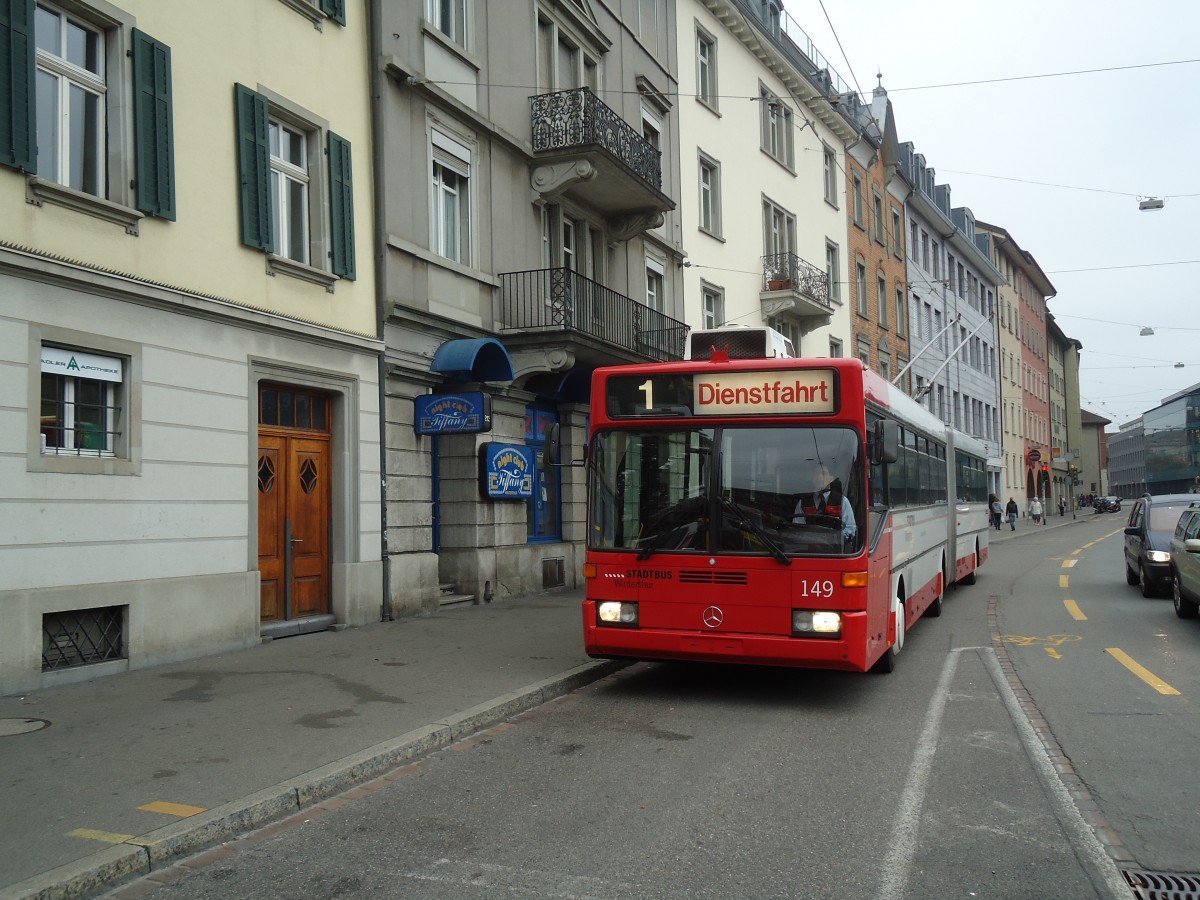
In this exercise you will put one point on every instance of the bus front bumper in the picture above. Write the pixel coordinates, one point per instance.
(848, 652)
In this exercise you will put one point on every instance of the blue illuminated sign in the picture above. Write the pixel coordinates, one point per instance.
(453, 413)
(506, 471)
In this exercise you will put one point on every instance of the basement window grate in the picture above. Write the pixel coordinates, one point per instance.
(553, 573)
(82, 637)
(1149, 885)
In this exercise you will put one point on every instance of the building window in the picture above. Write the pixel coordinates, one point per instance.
(860, 286)
(779, 230)
(937, 260)
(283, 189)
(713, 313)
(901, 324)
(830, 177)
(925, 250)
(859, 212)
(289, 191)
(706, 68)
(864, 351)
(877, 225)
(835, 348)
(81, 395)
(449, 17)
(710, 195)
(897, 233)
(70, 100)
(654, 284)
(648, 24)
(63, 124)
(652, 129)
(776, 127)
(881, 298)
(885, 367)
(833, 271)
(451, 195)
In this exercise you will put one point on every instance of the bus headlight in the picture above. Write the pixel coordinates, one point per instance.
(816, 623)
(617, 612)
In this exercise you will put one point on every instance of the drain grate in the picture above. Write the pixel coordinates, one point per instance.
(1163, 885)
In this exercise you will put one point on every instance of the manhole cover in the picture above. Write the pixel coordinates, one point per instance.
(10, 727)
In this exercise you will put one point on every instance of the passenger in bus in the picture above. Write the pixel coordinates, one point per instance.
(826, 504)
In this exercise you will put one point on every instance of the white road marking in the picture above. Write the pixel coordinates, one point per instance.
(495, 879)
(907, 824)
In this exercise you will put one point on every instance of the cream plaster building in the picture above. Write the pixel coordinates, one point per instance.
(762, 162)
(189, 349)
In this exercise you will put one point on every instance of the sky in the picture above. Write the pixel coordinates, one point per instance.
(1104, 139)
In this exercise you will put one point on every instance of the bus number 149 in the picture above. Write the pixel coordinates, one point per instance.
(821, 589)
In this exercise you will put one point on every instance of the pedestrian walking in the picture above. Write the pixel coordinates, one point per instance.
(1062, 506)
(1011, 511)
(1035, 511)
(995, 511)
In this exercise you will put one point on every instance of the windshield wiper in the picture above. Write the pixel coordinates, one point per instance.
(748, 525)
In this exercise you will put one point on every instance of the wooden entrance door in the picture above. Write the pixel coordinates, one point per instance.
(293, 524)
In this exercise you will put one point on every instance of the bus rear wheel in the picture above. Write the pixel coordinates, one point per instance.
(887, 662)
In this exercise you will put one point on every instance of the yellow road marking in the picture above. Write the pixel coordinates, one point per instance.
(1054, 640)
(93, 834)
(172, 809)
(1070, 563)
(1054, 653)
(1074, 610)
(1062, 581)
(1141, 672)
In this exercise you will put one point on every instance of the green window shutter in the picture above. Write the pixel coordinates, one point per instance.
(152, 126)
(335, 9)
(341, 207)
(18, 131)
(254, 167)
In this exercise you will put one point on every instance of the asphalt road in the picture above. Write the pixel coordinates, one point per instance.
(1119, 685)
(711, 781)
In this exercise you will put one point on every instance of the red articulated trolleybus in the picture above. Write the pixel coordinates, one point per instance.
(772, 511)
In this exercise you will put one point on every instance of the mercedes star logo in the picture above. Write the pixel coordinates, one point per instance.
(713, 617)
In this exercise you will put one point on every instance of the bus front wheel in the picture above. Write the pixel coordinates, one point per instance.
(887, 662)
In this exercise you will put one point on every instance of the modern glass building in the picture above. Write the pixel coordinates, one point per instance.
(1172, 443)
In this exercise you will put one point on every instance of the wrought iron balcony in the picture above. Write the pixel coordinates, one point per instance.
(805, 284)
(561, 300)
(585, 149)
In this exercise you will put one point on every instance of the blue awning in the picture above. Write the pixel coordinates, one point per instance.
(482, 359)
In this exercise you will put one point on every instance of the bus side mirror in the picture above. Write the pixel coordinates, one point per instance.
(554, 448)
(885, 448)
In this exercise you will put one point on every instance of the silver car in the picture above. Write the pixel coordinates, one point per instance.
(1185, 563)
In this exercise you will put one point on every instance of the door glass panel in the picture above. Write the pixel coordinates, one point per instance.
(266, 474)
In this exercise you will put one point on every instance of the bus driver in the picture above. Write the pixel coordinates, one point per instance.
(825, 502)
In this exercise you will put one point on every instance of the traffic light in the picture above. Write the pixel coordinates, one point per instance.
(1045, 470)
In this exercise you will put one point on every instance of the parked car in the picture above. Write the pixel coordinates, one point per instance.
(1148, 536)
(1185, 563)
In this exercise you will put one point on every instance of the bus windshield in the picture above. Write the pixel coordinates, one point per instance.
(772, 490)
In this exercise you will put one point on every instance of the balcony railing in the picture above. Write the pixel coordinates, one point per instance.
(788, 272)
(563, 300)
(578, 118)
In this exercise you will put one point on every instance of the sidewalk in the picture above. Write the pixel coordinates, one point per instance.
(1025, 524)
(142, 768)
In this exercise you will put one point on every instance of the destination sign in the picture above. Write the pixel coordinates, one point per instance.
(773, 392)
